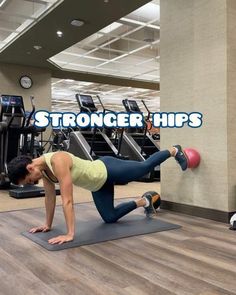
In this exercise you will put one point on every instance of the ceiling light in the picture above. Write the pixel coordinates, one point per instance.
(37, 47)
(59, 34)
(106, 1)
(2, 2)
(77, 22)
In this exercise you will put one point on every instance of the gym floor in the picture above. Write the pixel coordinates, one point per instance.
(198, 259)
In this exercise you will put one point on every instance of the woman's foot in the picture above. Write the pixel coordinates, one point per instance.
(153, 202)
(180, 157)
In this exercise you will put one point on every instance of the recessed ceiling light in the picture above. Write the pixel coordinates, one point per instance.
(106, 1)
(77, 23)
(59, 34)
(37, 47)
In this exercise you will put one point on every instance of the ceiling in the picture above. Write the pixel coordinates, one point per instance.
(64, 90)
(18, 16)
(129, 47)
(115, 54)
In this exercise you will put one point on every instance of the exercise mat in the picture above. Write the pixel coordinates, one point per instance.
(96, 231)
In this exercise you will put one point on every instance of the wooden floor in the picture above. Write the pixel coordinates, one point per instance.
(199, 258)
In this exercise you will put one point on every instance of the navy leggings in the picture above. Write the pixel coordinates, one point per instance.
(122, 171)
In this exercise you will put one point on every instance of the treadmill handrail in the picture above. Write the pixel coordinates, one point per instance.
(145, 106)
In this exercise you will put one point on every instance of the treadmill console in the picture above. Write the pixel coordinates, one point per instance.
(11, 101)
(86, 102)
(11, 105)
(131, 106)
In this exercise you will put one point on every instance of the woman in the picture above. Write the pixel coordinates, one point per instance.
(97, 176)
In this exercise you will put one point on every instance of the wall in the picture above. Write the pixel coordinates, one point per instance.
(41, 89)
(194, 78)
(231, 101)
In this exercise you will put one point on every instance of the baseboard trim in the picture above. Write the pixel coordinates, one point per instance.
(207, 213)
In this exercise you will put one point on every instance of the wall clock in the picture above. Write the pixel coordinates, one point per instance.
(26, 82)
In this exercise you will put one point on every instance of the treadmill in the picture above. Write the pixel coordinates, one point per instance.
(90, 143)
(138, 144)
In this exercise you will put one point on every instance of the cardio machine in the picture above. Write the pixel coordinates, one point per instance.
(91, 143)
(137, 143)
(14, 125)
(12, 119)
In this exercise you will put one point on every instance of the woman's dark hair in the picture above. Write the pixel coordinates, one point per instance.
(16, 168)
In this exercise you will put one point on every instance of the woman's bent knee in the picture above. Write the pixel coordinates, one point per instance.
(110, 219)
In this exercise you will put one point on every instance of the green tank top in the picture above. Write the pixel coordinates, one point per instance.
(90, 175)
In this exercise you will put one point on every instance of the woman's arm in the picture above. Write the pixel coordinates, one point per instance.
(61, 164)
(50, 202)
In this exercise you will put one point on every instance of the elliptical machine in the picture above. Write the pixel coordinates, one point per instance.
(4, 180)
(29, 145)
(11, 118)
(13, 125)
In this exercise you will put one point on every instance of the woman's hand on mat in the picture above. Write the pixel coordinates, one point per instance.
(61, 239)
(43, 228)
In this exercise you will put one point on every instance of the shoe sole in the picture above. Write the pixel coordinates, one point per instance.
(155, 198)
(185, 158)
